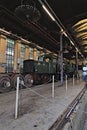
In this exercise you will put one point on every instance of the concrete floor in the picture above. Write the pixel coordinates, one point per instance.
(85, 124)
(37, 109)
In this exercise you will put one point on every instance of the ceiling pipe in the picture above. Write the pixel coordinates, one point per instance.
(24, 41)
(58, 22)
(32, 26)
(48, 12)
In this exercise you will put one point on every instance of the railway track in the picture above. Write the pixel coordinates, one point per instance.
(65, 117)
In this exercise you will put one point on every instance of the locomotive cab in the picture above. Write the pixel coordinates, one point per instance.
(40, 70)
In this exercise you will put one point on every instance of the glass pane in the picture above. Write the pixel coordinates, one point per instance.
(10, 55)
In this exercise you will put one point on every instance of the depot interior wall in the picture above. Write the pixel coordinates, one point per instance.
(17, 50)
(2, 52)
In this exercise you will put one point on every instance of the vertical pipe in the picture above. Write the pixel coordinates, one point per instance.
(17, 96)
(53, 86)
(61, 57)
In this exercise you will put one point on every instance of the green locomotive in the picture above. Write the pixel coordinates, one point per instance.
(40, 71)
(36, 72)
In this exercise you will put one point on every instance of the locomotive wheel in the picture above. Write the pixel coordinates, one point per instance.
(14, 80)
(5, 84)
(45, 78)
(28, 80)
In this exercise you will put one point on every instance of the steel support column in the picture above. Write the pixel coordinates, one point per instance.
(77, 64)
(61, 57)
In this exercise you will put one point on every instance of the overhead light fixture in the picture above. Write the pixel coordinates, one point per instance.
(77, 49)
(79, 52)
(82, 55)
(47, 11)
(72, 43)
(65, 34)
(57, 21)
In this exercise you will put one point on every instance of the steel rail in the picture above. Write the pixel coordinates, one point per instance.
(65, 117)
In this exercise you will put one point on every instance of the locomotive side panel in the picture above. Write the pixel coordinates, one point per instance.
(28, 66)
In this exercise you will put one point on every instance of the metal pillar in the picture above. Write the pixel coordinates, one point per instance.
(53, 86)
(77, 64)
(61, 57)
(17, 99)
